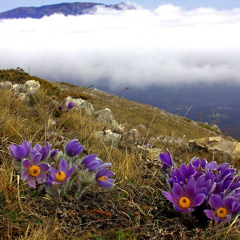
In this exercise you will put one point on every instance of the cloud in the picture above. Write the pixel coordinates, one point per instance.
(141, 47)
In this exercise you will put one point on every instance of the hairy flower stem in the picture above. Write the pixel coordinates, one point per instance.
(54, 191)
(81, 190)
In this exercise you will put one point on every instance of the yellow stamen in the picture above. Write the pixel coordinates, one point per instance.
(34, 171)
(222, 212)
(60, 176)
(102, 178)
(184, 202)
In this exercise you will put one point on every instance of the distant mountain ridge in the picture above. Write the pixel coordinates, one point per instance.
(66, 9)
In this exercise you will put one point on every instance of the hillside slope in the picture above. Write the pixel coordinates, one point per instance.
(135, 207)
(133, 114)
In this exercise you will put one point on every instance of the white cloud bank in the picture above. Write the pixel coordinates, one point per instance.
(142, 47)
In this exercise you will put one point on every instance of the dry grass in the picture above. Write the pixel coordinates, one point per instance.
(133, 209)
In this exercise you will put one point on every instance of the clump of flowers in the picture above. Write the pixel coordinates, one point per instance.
(215, 188)
(66, 171)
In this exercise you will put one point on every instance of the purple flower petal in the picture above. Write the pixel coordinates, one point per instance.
(11, 149)
(41, 177)
(37, 148)
(73, 148)
(211, 165)
(53, 172)
(36, 159)
(70, 105)
(31, 181)
(70, 172)
(185, 211)
(104, 166)
(228, 204)
(236, 208)
(25, 175)
(184, 169)
(53, 153)
(209, 213)
(26, 164)
(200, 181)
(27, 147)
(63, 166)
(177, 191)
(190, 190)
(216, 201)
(101, 173)
(166, 159)
(218, 187)
(197, 200)
(170, 197)
(108, 183)
(45, 151)
(180, 176)
(88, 159)
(109, 174)
(19, 152)
(49, 181)
(94, 166)
(43, 167)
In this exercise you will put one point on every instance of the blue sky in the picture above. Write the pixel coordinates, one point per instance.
(150, 4)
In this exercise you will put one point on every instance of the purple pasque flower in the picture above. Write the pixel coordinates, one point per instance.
(91, 162)
(222, 208)
(63, 174)
(205, 184)
(20, 151)
(148, 145)
(184, 200)
(198, 163)
(70, 105)
(45, 151)
(211, 165)
(166, 158)
(225, 178)
(103, 176)
(34, 170)
(53, 153)
(48, 182)
(73, 148)
(181, 175)
(60, 107)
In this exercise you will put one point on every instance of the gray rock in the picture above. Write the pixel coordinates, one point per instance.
(31, 87)
(173, 141)
(223, 149)
(131, 136)
(6, 85)
(16, 88)
(109, 137)
(117, 128)
(150, 152)
(104, 116)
